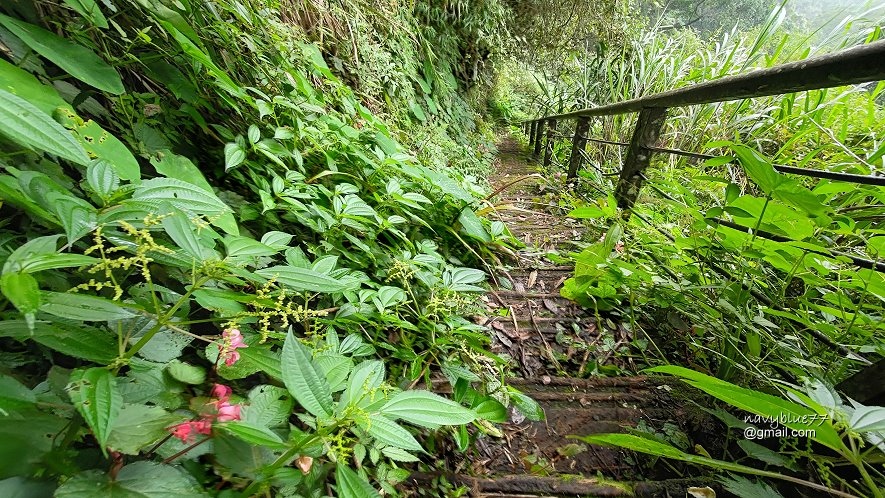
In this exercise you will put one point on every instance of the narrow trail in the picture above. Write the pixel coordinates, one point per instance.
(555, 345)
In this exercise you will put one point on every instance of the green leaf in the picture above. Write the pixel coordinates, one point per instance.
(136, 480)
(792, 415)
(95, 394)
(365, 379)
(223, 80)
(389, 432)
(234, 155)
(181, 168)
(26, 125)
(82, 307)
(304, 380)
(22, 291)
(102, 178)
(351, 485)
(492, 410)
(336, 368)
(100, 144)
(303, 279)
(526, 405)
(80, 342)
(868, 419)
(138, 426)
(758, 168)
(253, 434)
(650, 447)
(19, 487)
(181, 195)
(89, 9)
(426, 409)
(472, 225)
(587, 212)
(268, 406)
(14, 394)
(77, 60)
(183, 232)
(245, 247)
(185, 372)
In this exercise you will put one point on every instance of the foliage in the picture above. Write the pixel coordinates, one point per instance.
(184, 211)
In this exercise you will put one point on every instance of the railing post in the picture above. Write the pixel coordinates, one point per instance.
(539, 135)
(532, 128)
(648, 128)
(579, 142)
(548, 145)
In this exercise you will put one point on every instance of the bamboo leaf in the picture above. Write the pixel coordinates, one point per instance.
(77, 60)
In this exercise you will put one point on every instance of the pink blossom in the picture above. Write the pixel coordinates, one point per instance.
(228, 412)
(203, 426)
(232, 340)
(221, 391)
(183, 431)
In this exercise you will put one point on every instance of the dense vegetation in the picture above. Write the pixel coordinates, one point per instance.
(212, 211)
(240, 238)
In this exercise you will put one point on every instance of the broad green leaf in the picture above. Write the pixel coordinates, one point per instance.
(27, 439)
(792, 415)
(19, 487)
(303, 279)
(426, 409)
(398, 455)
(868, 419)
(137, 480)
(472, 225)
(138, 426)
(492, 410)
(76, 59)
(389, 432)
(268, 406)
(88, 343)
(245, 247)
(336, 368)
(234, 155)
(351, 485)
(26, 125)
(14, 395)
(102, 178)
(253, 434)
(185, 372)
(183, 232)
(25, 85)
(758, 168)
(304, 380)
(100, 144)
(82, 307)
(95, 394)
(182, 195)
(181, 168)
(650, 447)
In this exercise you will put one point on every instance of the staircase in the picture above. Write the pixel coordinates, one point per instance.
(559, 349)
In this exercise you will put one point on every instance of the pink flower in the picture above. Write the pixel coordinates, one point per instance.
(183, 431)
(228, 412)
(203, 426)
(221, 391)
(232, 340)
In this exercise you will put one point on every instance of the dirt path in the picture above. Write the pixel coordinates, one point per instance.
(557, 350)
